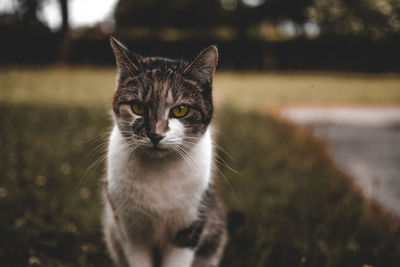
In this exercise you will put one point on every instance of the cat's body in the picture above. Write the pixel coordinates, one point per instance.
(160, 203)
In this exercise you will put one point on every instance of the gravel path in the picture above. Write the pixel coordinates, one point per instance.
(365, 143)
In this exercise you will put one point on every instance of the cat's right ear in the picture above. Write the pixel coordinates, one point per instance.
(203, 66)
(124, 59)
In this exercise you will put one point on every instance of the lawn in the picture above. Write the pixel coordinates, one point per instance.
(88, 86)
(299, 210)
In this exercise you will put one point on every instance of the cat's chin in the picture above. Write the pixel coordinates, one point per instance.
(155, 152)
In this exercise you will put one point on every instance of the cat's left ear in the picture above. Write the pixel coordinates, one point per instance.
(125, 60)
(203, 66)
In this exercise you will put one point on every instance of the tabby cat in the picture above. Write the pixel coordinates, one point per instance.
(161, 207)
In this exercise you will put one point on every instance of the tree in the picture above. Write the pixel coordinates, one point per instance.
(64, 15)
(373, 18)
(26, 14)
(167, 13)
(335, 17)
(65, 43)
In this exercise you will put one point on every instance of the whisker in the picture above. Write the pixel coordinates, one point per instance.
(182, 153)
(217, 157)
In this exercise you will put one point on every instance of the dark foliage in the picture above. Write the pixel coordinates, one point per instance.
(348, 18)
(359, 35)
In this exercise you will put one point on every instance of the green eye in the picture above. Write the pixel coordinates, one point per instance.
(138, 108)
(179, 111)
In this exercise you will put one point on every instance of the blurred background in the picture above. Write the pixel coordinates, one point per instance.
(360, 35)
(307, 134)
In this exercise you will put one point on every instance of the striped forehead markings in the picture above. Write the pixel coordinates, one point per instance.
(162, 83)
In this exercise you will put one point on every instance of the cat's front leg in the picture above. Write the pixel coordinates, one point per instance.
(114, 245)
(138, 255)
(181, 251)
(174, 256)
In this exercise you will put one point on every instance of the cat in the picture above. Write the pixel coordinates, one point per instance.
(161, 206)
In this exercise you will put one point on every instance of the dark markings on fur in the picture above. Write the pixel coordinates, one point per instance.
(208, 201)
(151, 80)
(190, 236)
(210, 243)
(215, 219)
(139, 127)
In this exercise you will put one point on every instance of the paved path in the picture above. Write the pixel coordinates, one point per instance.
(365, 143)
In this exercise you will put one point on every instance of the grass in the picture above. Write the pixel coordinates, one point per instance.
(50, 206)
(86, 87)
(261, 91)
(92, 86)
(299, 210)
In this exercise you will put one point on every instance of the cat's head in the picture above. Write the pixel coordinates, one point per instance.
(163, 105)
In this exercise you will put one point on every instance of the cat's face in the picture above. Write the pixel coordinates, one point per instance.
(163, 106)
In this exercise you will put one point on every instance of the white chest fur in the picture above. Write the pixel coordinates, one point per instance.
(162, 193)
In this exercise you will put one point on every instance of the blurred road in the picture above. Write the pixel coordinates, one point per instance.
(365, 143)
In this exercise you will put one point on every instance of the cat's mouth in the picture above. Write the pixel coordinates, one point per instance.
(155, 152)
(158, 149)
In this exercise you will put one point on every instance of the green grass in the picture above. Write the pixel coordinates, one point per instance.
(59, 86)
(261, 91)
(50, 204)
(299, 210)
(87, 86)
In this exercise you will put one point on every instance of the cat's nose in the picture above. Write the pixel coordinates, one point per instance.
(155, 138)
